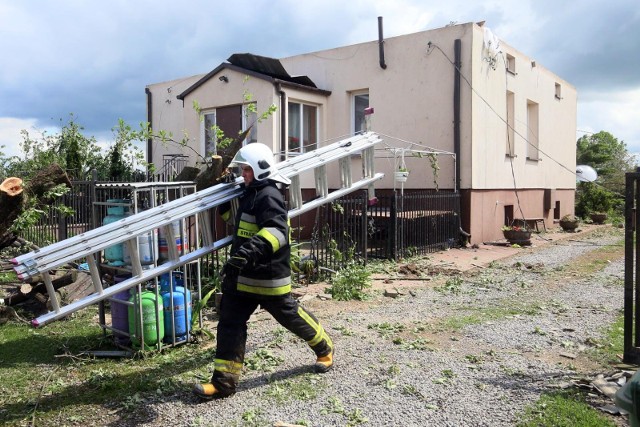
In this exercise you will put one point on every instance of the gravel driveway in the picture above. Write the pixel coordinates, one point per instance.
(471, 349)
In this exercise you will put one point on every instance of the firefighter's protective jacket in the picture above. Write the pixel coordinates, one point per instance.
(262, 238)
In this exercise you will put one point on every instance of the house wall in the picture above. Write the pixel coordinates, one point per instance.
(167, 112)
(413, 99)
(487, 210)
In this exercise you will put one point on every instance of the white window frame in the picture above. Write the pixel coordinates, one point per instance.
(533, 130)
(511, 122)
(558, 94)
(247, 118)
(354, 95)
(511, 64)
(301, 148)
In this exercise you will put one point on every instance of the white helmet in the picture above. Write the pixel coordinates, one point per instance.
(260, 158)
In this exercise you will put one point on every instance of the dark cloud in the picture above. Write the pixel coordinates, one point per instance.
(95, 59)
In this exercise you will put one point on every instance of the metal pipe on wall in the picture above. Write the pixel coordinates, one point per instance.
(383, 65)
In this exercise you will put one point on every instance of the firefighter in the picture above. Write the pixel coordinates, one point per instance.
(258, 273)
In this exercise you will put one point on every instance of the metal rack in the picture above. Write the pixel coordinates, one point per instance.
(134, 198)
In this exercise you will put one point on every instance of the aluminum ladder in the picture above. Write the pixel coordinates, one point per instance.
(88, 246)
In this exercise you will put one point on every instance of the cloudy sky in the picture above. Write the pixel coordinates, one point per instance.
(93, 59)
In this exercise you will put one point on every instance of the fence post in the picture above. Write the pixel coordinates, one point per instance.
(631, 269)
(394, 226)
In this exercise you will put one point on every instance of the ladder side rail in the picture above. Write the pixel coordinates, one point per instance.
(349, 145)
(299, 164)
(321, 151)
(135, 228)
(334, 195)
(311, 160)
(139, 275)
(135, 280)
(178, 208)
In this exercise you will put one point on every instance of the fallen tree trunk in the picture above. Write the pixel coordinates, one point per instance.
(13, 200)
(217, 169)
(27, 291)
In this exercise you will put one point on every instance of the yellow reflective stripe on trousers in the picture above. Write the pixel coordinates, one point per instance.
(320, 333)
(228, 366)
(259, 290)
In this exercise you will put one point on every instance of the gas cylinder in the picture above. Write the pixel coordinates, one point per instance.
(147, 244)
(181, 313)
(152, 331)
(114, 254)
(163, 246)
(119, 312)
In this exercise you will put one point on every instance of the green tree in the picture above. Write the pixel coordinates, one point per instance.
(70, 149)
(608, 156)
(611, 159)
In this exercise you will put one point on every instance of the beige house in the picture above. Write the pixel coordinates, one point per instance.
(461, 109)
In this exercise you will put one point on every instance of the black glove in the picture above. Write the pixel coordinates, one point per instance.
(228, 178)
(233, 266)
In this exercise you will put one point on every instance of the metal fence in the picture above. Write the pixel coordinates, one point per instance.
(632, 270)
(396, 227)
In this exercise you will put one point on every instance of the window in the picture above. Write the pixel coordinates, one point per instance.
(558, 91)
(302, 127)
(360, 101)
(231, 120)
(511, 133)
(532, 131)
(511, 64)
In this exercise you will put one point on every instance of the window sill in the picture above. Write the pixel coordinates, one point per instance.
(531, 159)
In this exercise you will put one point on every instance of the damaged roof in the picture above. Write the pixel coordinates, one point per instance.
(261, 67)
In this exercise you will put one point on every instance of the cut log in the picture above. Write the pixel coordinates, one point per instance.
(11, 186)
(13, 200)
(40, 288)
(217, 169)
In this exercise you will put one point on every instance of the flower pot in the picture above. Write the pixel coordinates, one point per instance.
(569, 224)
(520, 237)
(401, 176)
(598, 217)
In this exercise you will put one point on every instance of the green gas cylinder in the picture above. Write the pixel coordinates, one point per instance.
(152, 319)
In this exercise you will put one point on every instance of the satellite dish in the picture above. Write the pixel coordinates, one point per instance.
(586, 173)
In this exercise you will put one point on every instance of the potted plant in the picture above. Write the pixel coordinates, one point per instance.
(569, 222)
(402, 174)
(516, 234)
(598, 217)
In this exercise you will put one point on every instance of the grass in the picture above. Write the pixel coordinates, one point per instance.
(45, 380)
(482, 315)
(302, 388)
(563, 409)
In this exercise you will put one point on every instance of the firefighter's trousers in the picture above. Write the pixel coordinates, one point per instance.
(232, 332)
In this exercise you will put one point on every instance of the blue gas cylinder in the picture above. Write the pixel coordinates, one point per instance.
(114, 255)
(165, 281)
(181, 313)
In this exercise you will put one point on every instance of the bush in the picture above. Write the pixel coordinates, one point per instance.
(350, 283)
(594, 198)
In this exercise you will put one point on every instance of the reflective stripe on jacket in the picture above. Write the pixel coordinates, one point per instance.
(262, 236)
